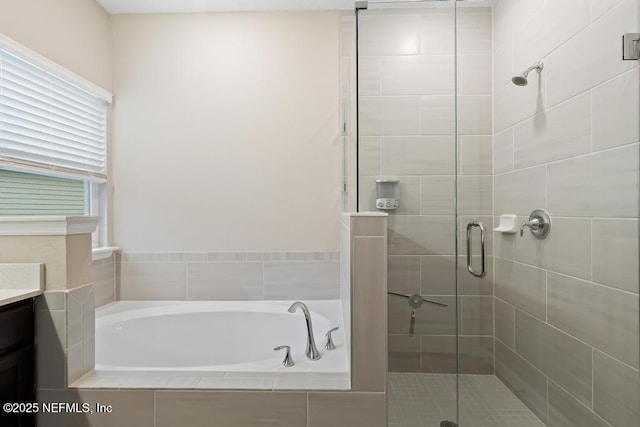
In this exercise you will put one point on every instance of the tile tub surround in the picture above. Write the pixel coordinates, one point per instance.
(179, 399)
(169, 408)
(367, 280)
(65, 311)
(65, 336)
(228, 275)
(407, 95)
(566, 308)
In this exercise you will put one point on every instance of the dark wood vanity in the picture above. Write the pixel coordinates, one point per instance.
(17, 366)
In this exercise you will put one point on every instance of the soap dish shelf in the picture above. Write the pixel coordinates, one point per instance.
(507, 224)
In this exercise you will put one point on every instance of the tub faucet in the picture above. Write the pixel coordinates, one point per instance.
(312, 351)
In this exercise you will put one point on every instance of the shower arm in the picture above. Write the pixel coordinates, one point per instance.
(538, 66)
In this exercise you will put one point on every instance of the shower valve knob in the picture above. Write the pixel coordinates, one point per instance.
(539, 223)
(533, 224)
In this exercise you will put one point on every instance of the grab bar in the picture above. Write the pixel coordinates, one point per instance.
(470, 226)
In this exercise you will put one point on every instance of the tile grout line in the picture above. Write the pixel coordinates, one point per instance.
(571, 158)
(558, 273)
(591, 115)
(264, 293)
(591, 249)
(546, 296)
(514, 327)
(592, 378)
(155, 408)
(591, 410)
(547, 400)
(307, 409)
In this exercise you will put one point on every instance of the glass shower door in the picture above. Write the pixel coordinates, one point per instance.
(546, 330)
(407, 152)
(483, 399)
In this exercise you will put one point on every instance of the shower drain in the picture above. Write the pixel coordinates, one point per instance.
(448, 424)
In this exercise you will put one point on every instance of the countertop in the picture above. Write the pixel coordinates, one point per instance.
(20, 281)
(8, 296)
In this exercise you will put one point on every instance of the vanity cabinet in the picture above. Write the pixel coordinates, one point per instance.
(17, 360)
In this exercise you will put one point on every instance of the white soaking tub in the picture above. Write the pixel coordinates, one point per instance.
(215, 337)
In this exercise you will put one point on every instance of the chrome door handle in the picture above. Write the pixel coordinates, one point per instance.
(483, 233)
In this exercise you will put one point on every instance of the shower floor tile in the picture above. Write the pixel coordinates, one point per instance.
(424, 400)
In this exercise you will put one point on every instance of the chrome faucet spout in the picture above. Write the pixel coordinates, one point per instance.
(311, 350)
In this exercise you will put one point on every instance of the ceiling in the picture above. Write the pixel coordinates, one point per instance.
(184, 6)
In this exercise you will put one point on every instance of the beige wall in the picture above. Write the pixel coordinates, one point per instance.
(73, 33)
(226, 132)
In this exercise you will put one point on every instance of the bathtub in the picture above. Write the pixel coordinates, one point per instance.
(209, 337)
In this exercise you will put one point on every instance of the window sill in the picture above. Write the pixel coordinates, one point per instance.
(103, 253)
(47, 225)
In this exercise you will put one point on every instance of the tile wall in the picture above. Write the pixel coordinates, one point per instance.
(365, 254)
(169, 408)
(103, 277)
(407, 126)
(65, 338)
(566, 308)
(228, 275)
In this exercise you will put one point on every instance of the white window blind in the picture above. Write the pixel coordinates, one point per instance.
(48, 124)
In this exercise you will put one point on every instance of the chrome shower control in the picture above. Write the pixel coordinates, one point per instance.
(330, 345)
(311, 351)
(539, 223)
(288, 361)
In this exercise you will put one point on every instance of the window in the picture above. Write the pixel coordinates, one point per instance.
(53, 127)
(30, 194)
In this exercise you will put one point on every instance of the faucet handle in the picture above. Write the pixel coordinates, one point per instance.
(330, 345)
(534, 224)
(539, 222)
(288, 361)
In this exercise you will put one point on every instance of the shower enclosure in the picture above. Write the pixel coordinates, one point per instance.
(506, 327)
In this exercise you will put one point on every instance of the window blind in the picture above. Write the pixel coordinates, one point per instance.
(29, 194)
(48, 124)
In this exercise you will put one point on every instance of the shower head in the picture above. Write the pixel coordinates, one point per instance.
(521, 80)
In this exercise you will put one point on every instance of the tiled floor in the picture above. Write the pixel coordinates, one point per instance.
(424, 400)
